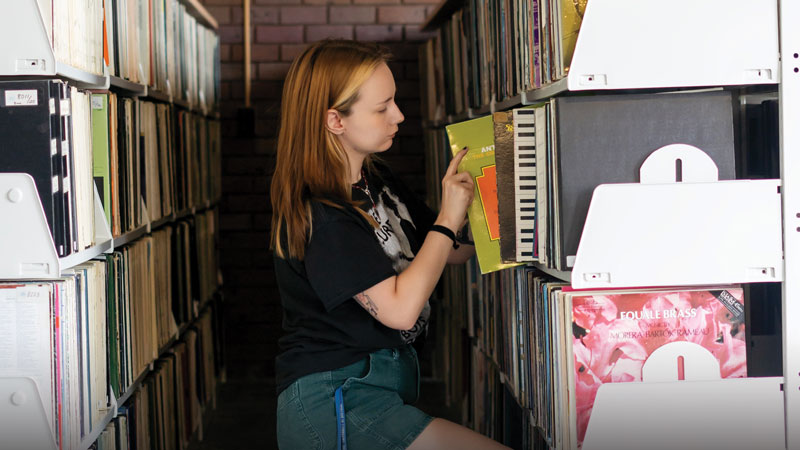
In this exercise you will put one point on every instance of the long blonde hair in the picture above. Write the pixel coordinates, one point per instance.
(311, 162)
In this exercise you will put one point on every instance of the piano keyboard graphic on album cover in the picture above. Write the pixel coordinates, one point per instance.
(525, 183)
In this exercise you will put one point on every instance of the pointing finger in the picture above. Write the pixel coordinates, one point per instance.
(452, 169)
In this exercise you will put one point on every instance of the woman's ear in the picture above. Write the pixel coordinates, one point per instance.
(333, 122)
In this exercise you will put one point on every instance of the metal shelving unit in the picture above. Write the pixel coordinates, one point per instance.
(692, 45)
(28, 251)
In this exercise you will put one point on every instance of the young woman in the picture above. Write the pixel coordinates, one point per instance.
(356, 258)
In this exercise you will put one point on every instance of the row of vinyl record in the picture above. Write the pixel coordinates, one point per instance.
(448, 329)
(157, 43)
(555, 347)
(147, 160)
(96, 329)
(167, 409)
(495, 50)
(536, 167)
(473, 381)
(158, 282)
(494, 411)
(173, 166)
(75, 31)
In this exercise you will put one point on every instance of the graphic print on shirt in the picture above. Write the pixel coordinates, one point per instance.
(392, 236)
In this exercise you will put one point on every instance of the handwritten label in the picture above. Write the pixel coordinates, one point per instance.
(22, 98)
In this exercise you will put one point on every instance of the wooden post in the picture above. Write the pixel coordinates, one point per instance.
(247, 55)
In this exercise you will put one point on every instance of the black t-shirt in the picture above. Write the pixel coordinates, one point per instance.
(324, 327)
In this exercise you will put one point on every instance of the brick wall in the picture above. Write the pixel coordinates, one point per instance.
(281, 29)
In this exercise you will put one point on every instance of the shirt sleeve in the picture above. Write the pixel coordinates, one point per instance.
(343, 258)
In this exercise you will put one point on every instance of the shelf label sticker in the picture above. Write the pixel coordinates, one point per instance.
(64, 107)
(28, 97)
(97, 102)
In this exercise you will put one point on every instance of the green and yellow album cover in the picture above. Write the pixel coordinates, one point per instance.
(478, 136)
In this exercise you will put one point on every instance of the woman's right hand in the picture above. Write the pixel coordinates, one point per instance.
(457, 193)
(397, 301)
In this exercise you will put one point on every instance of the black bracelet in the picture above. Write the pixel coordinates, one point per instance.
(447, 232)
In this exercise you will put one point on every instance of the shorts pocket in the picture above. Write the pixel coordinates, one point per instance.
(364, 377)
(368, 396)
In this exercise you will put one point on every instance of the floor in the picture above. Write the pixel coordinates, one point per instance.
(245, 415)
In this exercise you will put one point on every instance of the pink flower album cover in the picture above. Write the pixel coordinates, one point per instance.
(615, 333)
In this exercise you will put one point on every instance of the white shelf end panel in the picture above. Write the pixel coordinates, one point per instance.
(626, 44)
(789, 116)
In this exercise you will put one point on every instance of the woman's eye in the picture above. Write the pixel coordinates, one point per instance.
(382, 110)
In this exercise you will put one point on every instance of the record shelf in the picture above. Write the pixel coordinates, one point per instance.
(34, 56)
(692, 45)
(28, 248)
(603, 56)
(37, 249)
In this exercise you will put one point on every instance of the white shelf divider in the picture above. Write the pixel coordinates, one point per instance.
(24, 424)
(102, 237)
(31, 54)
(703, 410)
(696, 232)
(626, 44)
(27, 246)
(723, 414)
(102, 229)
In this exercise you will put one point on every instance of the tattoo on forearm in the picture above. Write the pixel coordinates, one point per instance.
(367, 303)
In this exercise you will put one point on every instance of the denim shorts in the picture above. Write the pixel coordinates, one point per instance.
(377, 394)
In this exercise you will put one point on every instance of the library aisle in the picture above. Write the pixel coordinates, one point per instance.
(245, 408)
(243, 419)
